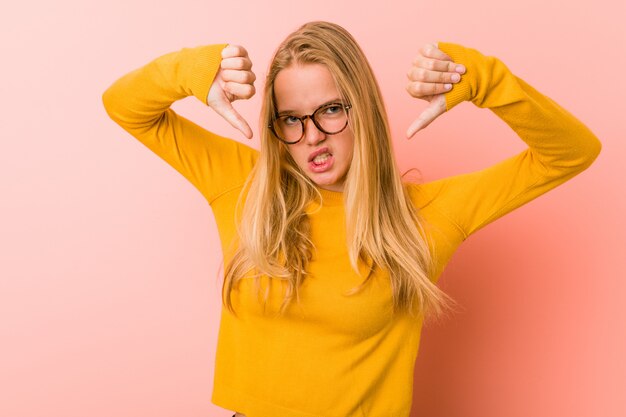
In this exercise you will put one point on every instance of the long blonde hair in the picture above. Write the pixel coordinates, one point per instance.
(383, 228)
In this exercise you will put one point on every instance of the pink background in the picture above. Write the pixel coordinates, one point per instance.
(109, 259)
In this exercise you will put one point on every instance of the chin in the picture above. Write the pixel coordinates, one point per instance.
(332, 185)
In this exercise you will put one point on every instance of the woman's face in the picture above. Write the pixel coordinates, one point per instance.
(300, 90)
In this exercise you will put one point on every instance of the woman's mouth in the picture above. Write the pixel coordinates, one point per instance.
(321, 158)
(322, 162)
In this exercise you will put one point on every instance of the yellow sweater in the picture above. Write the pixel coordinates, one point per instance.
(333, 355)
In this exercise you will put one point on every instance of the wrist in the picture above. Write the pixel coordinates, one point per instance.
(461, 91)
(204, 70)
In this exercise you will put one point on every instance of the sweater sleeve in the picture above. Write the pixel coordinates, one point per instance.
(559, 145)
(140, 103)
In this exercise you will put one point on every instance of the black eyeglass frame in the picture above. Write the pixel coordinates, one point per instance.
(310, 116)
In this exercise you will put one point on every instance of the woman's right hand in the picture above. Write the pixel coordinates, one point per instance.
(234, 80)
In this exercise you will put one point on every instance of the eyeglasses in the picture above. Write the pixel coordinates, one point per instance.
(330, 118)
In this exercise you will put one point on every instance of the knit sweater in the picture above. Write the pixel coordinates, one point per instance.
(333, 355)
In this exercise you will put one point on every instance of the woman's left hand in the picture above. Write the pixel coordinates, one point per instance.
(432, 74)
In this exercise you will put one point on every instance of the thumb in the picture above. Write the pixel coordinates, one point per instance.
(228, 112)
(429, 114)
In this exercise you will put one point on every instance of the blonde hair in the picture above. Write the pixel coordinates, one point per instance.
(383, 228)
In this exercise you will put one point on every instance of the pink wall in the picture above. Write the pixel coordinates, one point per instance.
(109, 259)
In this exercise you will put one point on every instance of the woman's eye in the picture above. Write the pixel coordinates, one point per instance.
(334, 109)
(290, 120)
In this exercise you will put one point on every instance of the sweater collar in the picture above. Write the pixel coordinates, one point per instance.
(331, 198)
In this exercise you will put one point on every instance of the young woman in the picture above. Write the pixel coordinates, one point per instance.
(331, 259)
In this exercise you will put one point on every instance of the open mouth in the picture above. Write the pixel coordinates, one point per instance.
(321, 159)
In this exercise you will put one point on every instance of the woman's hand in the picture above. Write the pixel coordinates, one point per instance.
(234, 80)
(431, 76)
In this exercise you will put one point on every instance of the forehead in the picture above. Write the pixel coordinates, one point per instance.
(302, 88)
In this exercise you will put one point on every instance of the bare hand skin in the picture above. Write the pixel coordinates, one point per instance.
(432, 69)
(234, 81)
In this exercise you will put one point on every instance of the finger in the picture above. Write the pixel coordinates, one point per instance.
(238, 76)
(228, 112)
(428, 115)
(431, 50)
(240, 91)
(236, 63)
(234, 51)
(424, 75)
(437, 65)
(420, 90)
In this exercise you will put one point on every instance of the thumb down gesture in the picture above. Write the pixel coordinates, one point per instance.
(234, 80)
(431, 75)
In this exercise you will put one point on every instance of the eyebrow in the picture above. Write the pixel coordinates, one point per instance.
(336, 100)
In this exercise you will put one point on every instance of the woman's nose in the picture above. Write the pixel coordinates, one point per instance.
(312, 134)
